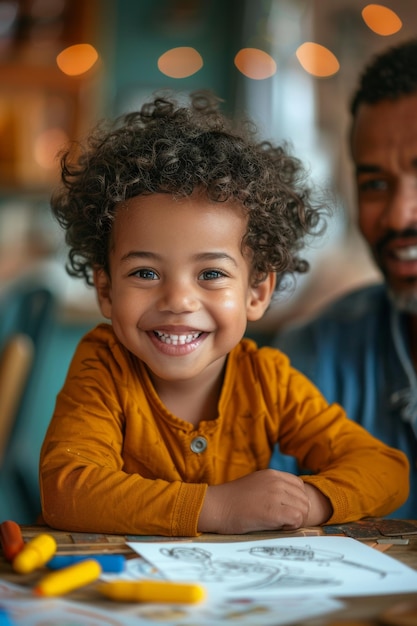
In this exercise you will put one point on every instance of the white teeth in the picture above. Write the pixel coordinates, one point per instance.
(176, 340)
(406, 254)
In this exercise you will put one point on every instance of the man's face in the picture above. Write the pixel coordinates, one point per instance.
(384, 150)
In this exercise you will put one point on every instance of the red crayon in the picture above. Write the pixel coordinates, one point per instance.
(11, 539)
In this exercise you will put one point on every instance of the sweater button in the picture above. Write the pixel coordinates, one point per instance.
(198, 444)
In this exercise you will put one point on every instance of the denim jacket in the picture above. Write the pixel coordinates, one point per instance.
(356, 352)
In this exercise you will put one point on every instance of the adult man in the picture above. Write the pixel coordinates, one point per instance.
(362, 350)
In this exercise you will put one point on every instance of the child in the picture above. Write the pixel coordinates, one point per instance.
(167, 419)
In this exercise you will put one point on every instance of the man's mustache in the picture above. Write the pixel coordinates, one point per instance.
(393, 235)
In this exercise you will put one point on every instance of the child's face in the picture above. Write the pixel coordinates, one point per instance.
(179, 293)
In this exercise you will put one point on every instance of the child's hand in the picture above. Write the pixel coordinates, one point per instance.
(265, 500)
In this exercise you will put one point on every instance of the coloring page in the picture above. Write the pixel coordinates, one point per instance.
(333, 566)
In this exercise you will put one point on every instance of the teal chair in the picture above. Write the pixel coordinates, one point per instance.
(35, 311)
(26, 318)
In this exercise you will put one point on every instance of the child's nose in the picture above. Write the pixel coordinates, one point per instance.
(179, 297)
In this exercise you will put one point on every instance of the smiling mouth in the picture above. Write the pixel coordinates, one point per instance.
(176, 340)
(408, 253)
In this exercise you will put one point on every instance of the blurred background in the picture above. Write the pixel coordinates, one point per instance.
(291, 65)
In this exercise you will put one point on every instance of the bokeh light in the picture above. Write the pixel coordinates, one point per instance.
(180, 62)
(317, 60)
(255, 63)
(381, 20)
(77, 59)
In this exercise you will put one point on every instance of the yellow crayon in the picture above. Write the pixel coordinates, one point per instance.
(68, 578)
(153, 591)
(35, 553)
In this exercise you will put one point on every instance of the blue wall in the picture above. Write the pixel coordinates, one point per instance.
(145, 29)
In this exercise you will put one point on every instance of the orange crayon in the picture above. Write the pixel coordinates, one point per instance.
(11, 539)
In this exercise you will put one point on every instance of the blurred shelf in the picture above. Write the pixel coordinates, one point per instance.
(41, 108)
(15, 76)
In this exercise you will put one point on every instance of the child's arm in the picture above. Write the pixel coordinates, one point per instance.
(264, 500)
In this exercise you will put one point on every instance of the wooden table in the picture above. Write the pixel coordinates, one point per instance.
(357, 611)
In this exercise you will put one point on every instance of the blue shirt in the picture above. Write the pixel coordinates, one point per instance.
(356, 352)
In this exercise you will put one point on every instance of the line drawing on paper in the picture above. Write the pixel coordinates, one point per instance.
(307, 554)
(282, 566)
(246, 574)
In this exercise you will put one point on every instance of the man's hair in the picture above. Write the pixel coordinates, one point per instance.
(176, 149)
(388, 76)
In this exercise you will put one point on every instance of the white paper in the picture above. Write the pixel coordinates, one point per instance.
(134, 569)
(25, 610)
(332, 566)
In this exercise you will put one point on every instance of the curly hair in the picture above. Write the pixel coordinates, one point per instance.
(176, 149)
(388, 76)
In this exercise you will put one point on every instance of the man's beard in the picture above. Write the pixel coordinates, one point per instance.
(405, 302)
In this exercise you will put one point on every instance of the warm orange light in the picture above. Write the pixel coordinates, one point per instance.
(317, 60)
(381, 20)
(180, 62)
(255, 63)
(47, 145)
(77, 59)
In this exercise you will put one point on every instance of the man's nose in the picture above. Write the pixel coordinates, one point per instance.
(401, 210)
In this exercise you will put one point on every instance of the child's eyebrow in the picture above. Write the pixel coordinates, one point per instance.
(215, 256)
(201, 256)
(139, 254)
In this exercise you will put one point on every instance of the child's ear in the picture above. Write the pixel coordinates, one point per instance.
(259, 297)
(102, 284)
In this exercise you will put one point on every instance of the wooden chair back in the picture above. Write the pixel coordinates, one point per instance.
(16, 358)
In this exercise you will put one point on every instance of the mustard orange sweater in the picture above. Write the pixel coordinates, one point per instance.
(115, 460)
